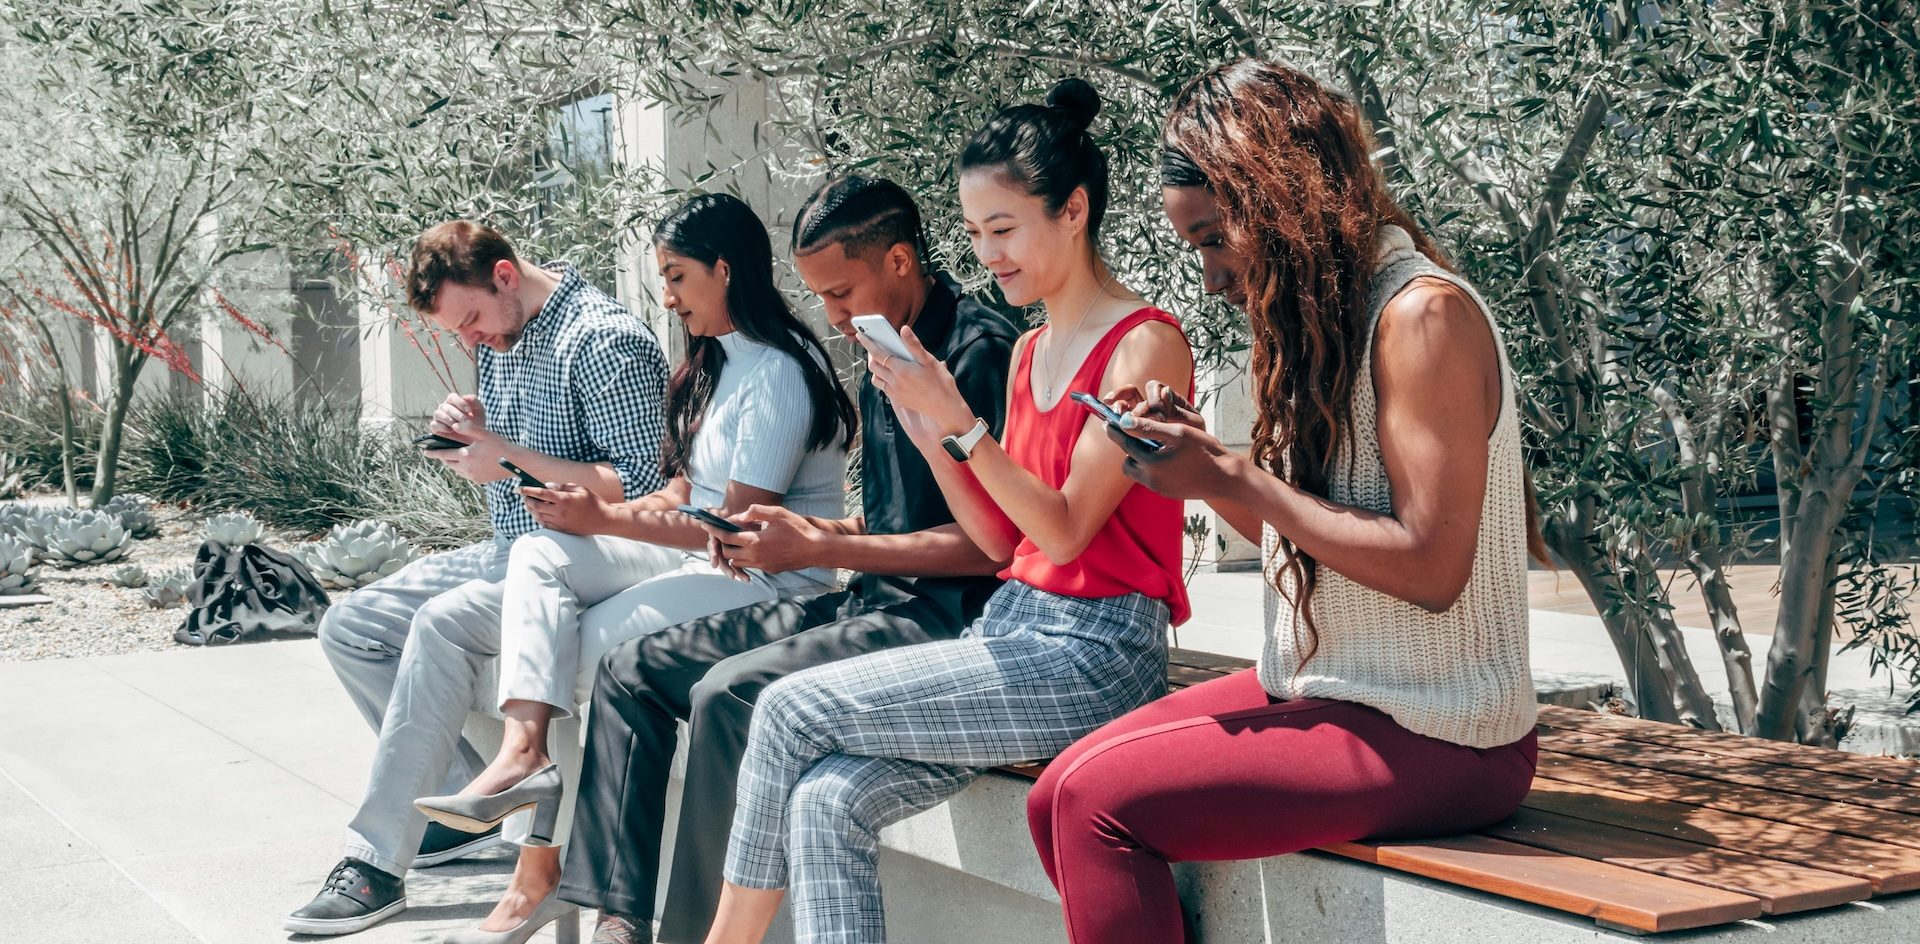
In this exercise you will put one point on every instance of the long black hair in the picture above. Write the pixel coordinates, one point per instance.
(1046, 150)
(718, 226)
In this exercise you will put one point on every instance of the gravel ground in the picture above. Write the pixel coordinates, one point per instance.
(90, 617)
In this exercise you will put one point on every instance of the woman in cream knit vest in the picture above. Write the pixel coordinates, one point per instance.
(1393, 696)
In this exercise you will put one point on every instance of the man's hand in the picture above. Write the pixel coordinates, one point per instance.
(785, 541)
(460, 416)
(569, 508)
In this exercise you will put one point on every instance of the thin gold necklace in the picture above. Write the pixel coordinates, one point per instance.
(1072, 337)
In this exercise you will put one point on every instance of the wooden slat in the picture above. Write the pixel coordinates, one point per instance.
(1843, 818)
(1888, 868)
(1835, 788)
(1782, 887)
(1609, 893)
(1210, 661)
(1888, 770)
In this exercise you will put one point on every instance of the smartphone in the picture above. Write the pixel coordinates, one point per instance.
(525, 479)
(432, 441)
(707, 517)
(1106, 412)
(879, 330)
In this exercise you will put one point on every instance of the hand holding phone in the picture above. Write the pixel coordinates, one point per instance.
(881, 332)
(434, 441)
(1113, 419)
(526, 478)
(709, 518)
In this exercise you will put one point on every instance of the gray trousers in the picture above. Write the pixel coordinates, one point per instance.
(454, 646)
(365, 636)
(840, 751)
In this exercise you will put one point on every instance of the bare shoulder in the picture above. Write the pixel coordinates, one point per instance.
(1152, 350)
(1434, 319)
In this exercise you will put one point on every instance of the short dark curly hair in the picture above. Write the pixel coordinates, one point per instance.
(460, 251)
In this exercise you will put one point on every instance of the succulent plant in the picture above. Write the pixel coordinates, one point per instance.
(87, 537)
(234, 528)
(168, 587)
(16, 566)
(357, 554)
(32, 523)
(136, 515)
(130, 576)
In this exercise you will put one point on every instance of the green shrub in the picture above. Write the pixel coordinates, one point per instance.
(30, 433)
(295, 462)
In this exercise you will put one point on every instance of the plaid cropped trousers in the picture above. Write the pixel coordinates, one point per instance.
(838, 752)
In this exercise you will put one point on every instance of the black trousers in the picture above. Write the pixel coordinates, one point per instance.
(709, 671)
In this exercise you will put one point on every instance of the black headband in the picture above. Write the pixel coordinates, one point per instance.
(1179, 170)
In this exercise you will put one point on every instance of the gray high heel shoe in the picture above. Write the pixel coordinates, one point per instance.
(551, 910)
(477, 814)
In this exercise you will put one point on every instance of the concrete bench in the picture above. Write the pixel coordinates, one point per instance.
(1631, 828)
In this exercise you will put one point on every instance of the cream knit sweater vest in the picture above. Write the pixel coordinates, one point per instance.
(1463, 675)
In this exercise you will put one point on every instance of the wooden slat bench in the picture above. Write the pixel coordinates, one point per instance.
(1647, 827)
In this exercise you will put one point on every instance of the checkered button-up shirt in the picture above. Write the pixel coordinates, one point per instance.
(586, 382)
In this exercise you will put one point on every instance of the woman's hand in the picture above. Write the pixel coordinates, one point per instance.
(1190, 462)
(1157, 402)
(569, 508)
(922, 386)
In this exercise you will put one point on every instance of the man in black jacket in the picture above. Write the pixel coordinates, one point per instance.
(858, 246)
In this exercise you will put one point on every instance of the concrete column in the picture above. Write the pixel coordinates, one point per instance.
(405, 371)
(235, 356)
(1226, 401)
(721, 148)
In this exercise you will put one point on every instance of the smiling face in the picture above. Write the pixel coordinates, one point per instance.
(1196, 219)
(695, 291)
(493, 315)
(1015, 237)
(880, 282)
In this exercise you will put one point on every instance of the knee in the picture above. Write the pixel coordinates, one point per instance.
(544, 552)
(724, 697)
(826, 794)
(342, 633)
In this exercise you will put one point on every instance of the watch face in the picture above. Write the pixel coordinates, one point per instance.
(954, 449)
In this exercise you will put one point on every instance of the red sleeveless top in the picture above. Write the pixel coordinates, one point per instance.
(1138, 548)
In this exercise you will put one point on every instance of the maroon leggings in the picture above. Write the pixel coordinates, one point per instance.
(1225, 771)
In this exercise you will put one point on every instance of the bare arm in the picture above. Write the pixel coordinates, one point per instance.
(1060, 522)
(1436, 380)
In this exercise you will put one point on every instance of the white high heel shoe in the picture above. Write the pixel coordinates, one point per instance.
(550, 911)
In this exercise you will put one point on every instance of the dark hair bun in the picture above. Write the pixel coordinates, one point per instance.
(1075, 99)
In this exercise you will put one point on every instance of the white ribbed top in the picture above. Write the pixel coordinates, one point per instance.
(1461, 676)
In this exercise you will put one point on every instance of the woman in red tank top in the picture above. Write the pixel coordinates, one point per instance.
(1074, 639)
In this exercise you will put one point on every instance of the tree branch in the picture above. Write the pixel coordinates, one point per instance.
(1559, 182)
(1244, 38)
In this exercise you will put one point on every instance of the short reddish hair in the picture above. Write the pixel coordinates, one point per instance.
(461, 251)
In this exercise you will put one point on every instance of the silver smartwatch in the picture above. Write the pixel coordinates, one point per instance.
(961, 447)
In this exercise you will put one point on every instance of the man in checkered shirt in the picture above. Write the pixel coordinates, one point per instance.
(572, 388)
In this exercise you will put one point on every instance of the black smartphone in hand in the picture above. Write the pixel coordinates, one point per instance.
(525, 478)
(433, 441)
(1112, 419)
(707, 517)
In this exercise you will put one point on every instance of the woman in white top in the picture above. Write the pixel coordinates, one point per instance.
(755, 416)
(1393, 697)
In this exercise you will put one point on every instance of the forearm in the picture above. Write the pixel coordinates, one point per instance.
(1373, 549)
(597, 477)
(945, 551)
(642, 520)
(973, 509)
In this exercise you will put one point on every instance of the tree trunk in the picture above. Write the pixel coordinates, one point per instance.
(1792, 660)
(1709, 567)
(1690, 697)
(66, 419)
(1814, 724)
(126, 370)
(1652, 678)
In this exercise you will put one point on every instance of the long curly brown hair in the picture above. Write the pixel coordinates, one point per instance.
(1290, 168)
